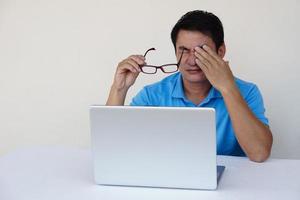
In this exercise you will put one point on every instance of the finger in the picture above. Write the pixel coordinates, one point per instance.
(141, 57)
(131, 62)
(205, 55)
(134, 64)
(203, 60)
(202, 66)
(138, 59)
(126, 66)
(212, 53)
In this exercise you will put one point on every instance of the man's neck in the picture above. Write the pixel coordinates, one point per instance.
(196, 92)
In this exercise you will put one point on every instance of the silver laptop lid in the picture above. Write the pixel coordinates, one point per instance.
(173, 147)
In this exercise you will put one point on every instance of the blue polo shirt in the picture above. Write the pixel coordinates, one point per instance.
(169, 92)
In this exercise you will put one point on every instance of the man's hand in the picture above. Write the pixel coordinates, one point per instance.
(125, 76)
(216, 70)
(253, 136)
(127, 72)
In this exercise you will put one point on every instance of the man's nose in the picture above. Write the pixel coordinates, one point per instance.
(191, 58)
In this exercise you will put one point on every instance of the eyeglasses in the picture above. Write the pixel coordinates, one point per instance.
(167, 68)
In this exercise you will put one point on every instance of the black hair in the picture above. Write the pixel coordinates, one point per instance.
(202, 21)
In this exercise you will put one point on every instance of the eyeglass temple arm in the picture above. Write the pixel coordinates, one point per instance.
(180, 57)
(151, 49)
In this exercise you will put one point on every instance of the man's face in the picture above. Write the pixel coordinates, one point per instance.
(187, 41)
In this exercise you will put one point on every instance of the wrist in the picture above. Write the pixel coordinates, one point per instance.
(229, 90)
(116, 96)
(118, 90)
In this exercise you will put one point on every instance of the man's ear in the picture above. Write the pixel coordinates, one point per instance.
(222, 50)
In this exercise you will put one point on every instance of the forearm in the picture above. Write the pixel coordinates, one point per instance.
(254, 137)
(116, 97)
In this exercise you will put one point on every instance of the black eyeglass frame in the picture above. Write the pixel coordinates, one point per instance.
(161, 67)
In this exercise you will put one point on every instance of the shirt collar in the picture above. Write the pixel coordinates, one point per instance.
(178, 91)
(178, 87)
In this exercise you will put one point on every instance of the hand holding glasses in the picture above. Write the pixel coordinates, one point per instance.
(167, 68)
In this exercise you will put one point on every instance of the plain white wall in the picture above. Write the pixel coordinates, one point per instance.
(58, 57)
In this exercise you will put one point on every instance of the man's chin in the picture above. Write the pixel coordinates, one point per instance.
(195, 77)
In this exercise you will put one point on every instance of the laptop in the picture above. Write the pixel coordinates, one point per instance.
(165, 147)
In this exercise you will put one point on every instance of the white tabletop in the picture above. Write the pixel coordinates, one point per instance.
(64, 173)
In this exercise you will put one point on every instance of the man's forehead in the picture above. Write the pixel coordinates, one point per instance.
(191, 39)
(188, 48)
(183, 47)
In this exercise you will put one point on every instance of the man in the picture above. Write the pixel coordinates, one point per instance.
(204, 80)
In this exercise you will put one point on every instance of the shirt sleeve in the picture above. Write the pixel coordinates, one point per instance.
(255, 102)
(141, 99)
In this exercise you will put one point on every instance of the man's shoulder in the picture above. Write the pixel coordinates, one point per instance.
(243, 83)
(245, 87)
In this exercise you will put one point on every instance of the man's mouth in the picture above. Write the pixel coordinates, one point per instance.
(194, 70)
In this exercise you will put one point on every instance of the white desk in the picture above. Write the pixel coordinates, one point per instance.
(63, 173)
